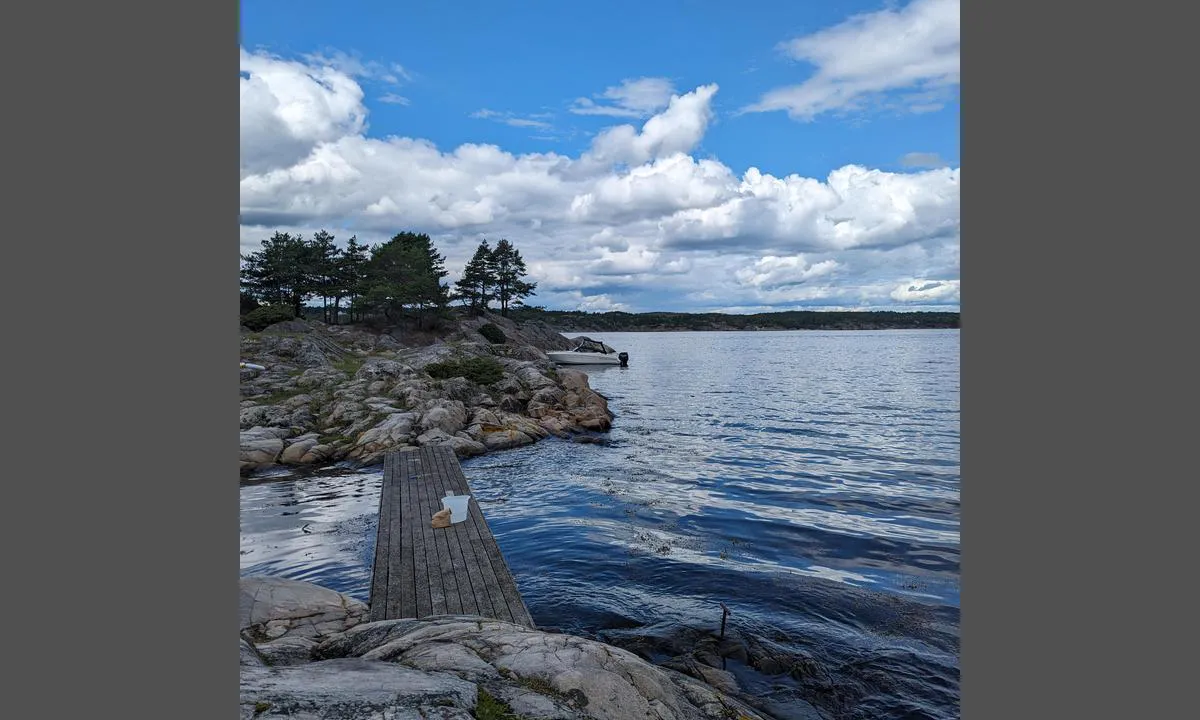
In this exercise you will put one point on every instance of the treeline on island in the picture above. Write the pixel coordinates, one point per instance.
(396, 282)
(615, 321)
(399, 282)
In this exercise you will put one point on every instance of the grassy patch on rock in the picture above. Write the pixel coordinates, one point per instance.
(276, 397)
(480, 370)
(349, 365)
(491, 708)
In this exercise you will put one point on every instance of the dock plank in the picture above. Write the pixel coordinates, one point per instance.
(382, 577)
(410, 514)
(421, 571)
(407, 606)
(425, 510)
(400, 567)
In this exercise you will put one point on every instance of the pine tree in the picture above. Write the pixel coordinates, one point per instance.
(281, 272)
(508, 269)
(405, 272)
(351, 275)
(323, 257)
(477, 278)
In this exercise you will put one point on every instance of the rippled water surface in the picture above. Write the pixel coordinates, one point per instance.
(808, 480)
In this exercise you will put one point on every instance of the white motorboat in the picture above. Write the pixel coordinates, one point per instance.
(589, 352)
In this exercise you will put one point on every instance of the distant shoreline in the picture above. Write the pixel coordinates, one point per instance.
(583, 330)
(579, 322)
(583, 322)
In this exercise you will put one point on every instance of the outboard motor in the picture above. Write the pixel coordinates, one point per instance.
(624, 358)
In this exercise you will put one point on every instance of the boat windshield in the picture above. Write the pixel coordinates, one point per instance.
(590, 345)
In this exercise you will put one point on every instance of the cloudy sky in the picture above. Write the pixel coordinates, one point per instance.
(681, 156)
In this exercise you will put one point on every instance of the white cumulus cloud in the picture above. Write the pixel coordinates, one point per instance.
(913, 51)
(288, 108)
(634, 221)
(637, 98)
(926, 291)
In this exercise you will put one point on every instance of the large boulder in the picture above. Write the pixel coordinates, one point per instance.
(544, 402)
(389, 434)
(462, 444)
(449, 416)
(286, 619)
(588, 409)
(320, 377)
(382, 369)
(261, 447)
(265, 416)
(299, 450)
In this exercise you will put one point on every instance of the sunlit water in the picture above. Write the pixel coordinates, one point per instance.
(808, 480)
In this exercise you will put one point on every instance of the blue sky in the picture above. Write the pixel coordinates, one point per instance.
(808, 160)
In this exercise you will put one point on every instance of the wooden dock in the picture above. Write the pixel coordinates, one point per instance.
(422, 571)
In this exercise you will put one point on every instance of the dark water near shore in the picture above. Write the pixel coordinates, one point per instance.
(808, 480)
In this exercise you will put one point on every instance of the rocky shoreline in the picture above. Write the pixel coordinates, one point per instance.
(309, 652)
(348, 395)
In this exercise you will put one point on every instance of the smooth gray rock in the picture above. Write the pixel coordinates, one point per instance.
(436, 667)
(390, 433)
(353, 689)
(449, 416)
(265, 416)
(272, 608)
(420, 357)
(250, 655)
(460, 389)
(298, 448)
(576, 677)
(320, 377)
(287, 651)
(377, 369)
(261, 447)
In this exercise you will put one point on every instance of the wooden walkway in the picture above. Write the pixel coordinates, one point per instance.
(422, 571)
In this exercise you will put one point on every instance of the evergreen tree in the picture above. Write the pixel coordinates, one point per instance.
(348, 275)
(281, 272)
(508, 269)
(477, 279)
(323, 258)
(248, 302)
(351, 274)
(405, 272)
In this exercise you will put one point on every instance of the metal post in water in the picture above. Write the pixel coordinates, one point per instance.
(724, 614)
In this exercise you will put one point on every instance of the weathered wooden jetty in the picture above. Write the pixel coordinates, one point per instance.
(422, 571)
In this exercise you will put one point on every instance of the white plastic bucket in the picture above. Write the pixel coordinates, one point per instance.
(458, 506)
